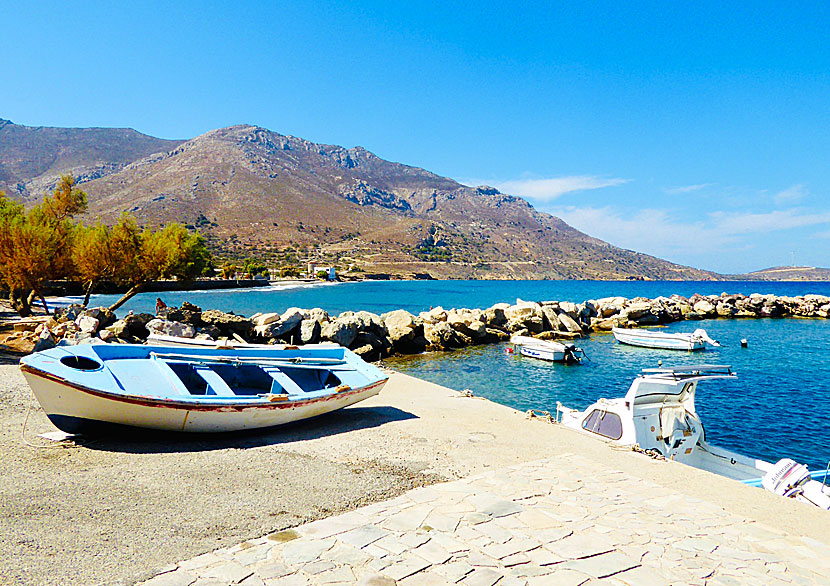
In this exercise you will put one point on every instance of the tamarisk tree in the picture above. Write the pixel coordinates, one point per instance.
(128, 256)
(35, 246)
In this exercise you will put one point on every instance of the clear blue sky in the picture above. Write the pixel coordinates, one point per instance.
(697, 132)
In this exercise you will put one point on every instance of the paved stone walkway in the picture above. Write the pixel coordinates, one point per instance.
(533, 524)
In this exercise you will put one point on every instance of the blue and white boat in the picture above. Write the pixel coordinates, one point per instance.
(550, 350)
(696, 340)
(195, 389)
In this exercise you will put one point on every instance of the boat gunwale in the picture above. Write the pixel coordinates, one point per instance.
(198, 403)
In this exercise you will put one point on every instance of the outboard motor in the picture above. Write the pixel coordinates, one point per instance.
(786, 478)
(701, 334)
(572, 354)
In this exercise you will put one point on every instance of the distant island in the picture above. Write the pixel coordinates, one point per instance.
(286, 201)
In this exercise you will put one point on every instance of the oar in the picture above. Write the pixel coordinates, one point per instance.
(252, 359)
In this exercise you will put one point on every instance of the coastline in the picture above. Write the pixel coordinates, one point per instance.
(111, 514)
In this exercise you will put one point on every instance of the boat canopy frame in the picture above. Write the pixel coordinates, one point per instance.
(688, 372)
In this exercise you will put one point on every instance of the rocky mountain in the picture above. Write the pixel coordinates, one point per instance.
(33, 157)
(256, 192)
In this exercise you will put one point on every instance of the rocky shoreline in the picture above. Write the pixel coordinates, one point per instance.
(375, 336)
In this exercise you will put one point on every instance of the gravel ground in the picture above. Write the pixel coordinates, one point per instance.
(117, 509)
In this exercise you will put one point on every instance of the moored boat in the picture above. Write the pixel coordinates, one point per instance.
(696, 340)
(658, 414)
(171, 388)
(547, 349)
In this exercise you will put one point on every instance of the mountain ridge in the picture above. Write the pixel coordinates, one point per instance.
(253, 191)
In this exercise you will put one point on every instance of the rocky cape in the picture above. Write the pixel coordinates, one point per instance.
(374, 337)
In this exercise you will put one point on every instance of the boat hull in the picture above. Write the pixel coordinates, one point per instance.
(542, 353)
(77, 409)
(546, 349)
(646, 339)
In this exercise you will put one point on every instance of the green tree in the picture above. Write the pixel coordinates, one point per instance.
(35, 246)
(170, 252)
(101, 253)
(228, 270)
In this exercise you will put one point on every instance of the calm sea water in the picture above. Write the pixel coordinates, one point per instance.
(777, 407)
(416, 296)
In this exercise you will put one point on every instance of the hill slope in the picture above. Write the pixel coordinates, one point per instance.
(32, 158)
(786, 274)
(253, 191)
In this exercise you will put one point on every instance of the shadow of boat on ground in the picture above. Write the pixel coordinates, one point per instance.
(144, 441)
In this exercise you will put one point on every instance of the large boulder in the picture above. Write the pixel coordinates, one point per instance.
(87, 323)
(44, 340)
(264, 319)
(705, 308)
(442, 335)
(371, 322)
(523, 310)
(342, 331)
(570, 309)
(104, 316)
(636, 311)
(551, 317)
(321, 316)
(494, 316)
(568, 324)
(370, 347)
(187, 313)
(287, 322)
(309, 331)
(228, 323)
(433, 316)
(400, 325)
(171, 328)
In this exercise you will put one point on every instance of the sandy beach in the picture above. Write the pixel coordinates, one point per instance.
(116, 510)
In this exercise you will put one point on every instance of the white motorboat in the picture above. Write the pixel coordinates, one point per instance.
(547, 349)
(658, 413)
(696, 340)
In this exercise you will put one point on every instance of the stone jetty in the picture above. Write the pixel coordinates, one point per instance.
(375, 336)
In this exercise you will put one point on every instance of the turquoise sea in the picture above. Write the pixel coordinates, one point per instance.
(778, 406)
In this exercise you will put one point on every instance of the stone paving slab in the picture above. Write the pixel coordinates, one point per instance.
(532, 524)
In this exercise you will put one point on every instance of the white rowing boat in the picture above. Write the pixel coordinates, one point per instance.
(696, 340)
(86, 387)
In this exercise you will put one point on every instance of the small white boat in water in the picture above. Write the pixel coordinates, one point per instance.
(696, 340)
(86, 387)
(658, 413)
(547, 349)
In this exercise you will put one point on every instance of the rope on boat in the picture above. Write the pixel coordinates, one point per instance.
(539, 415)
(652, 453)
(64, 443)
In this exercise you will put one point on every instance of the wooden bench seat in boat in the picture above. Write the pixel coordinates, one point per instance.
(282, 382)
(214, 381)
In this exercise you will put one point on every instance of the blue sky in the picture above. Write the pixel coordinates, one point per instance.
(697, 132)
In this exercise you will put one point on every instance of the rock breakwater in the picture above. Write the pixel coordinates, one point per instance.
(375, 336)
